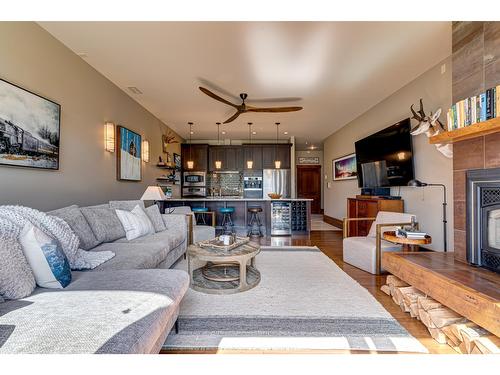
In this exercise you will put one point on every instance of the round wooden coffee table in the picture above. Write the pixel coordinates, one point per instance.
(410, 244)
(223, 272)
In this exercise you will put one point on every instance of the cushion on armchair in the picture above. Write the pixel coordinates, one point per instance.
(384, 217)
(361, 252)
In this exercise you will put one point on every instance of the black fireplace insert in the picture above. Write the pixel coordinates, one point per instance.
(483, 218)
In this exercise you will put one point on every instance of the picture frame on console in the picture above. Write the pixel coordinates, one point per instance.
(30, 128)
(344, 168)
(128, 156)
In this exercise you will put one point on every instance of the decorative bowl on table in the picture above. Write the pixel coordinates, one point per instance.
(274, 195)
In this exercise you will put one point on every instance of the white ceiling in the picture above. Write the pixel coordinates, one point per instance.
(335, 70)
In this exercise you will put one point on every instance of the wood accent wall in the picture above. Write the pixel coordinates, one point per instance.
(476, 67)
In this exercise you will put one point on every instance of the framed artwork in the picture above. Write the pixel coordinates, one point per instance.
(308, 160)
(344, 168)
(30, 128)
(129, 164)
(177, 161)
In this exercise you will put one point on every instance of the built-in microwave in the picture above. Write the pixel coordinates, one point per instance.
(194, 179)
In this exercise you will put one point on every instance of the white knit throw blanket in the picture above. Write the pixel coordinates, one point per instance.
(58, 229)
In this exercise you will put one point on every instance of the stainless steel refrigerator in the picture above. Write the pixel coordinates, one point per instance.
(277, 181)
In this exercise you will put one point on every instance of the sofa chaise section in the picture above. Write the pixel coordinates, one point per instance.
(128, 311)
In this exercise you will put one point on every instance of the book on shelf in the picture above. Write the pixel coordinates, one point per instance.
(477, 108)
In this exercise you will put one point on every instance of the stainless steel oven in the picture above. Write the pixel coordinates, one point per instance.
(252, 185)
(194, 179)
(195, 192)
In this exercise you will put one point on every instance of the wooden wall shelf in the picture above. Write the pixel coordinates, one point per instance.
(471, 131)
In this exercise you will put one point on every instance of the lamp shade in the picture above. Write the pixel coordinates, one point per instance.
(153, 193)
(109, 137)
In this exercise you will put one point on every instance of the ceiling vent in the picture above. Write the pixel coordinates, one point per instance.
(134, 90)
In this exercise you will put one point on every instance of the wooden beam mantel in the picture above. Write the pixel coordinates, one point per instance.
(469, 291)
(471, 131)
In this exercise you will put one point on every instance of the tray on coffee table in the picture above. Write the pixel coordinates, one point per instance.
(217, 244)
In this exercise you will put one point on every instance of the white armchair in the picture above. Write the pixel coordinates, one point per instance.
(197, 233)
(366, 252)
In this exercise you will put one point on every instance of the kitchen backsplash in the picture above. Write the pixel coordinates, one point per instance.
(230, 183)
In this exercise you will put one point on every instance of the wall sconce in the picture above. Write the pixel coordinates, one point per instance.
(145, 151)
(109, 137)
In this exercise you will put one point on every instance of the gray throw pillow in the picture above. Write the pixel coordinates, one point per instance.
(77, 222)
(1, 299)
(16, 277)
(154, 215)
(126, 205)
(104, 223)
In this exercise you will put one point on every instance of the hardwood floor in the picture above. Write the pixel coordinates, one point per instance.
(330, 242)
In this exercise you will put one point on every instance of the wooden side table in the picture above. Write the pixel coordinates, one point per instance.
(409, 244)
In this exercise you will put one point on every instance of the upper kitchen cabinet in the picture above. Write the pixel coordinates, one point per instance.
(198, 153)
(281, 152)
(254, 153)
(231, 158)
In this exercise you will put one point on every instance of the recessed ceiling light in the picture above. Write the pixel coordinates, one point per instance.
(285, 133)
(191, 133)
(134, 90)
(223, 132)
(254, 133)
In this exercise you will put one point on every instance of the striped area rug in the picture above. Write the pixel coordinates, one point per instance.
(303, 302)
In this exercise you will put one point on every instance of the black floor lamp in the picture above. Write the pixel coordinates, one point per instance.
(417, 183)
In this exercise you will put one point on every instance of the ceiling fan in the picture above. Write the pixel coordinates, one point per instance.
(242, 108)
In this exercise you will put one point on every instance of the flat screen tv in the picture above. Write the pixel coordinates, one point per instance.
(386, 158)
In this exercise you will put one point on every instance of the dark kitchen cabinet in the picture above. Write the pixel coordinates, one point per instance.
(254, 153)
(230, 156)
(270, 153)
(198, 153)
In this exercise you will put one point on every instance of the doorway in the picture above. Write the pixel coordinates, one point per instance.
(309, 185)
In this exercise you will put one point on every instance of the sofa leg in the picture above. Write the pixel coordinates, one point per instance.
(176, 327)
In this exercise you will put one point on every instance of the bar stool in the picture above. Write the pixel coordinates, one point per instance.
(199, 212)
(227, 220)
(255, 223)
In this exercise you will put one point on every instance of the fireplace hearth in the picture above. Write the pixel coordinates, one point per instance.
(483, 218)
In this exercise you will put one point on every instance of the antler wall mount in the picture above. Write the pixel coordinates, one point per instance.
(430, 126)
(243, 107)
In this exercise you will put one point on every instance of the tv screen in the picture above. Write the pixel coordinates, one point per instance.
(386, 158)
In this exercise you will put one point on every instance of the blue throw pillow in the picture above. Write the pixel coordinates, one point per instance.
(45, 257)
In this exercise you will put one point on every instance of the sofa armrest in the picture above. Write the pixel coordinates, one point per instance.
(179, 223)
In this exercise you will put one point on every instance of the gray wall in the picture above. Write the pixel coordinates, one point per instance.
(33, 59)
(430, 166)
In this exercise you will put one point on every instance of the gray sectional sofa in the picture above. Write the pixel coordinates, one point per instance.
(128, 304)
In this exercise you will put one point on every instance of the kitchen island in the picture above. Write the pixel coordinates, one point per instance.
(299, 212)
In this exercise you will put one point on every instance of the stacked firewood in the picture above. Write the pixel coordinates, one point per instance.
(444, 325)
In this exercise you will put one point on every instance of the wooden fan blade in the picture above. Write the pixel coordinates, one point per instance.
(273, 109)
(233, 117)
(216, 97)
